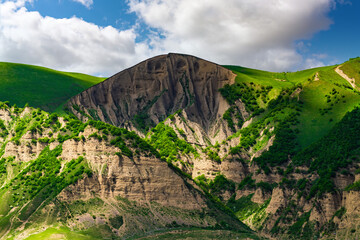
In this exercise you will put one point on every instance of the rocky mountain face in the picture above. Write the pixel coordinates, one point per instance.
(149, 92)
(200, 145)
(91, 177)
(250, 140)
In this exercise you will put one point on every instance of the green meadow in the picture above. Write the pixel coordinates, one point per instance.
(41, 87)
(325, 95)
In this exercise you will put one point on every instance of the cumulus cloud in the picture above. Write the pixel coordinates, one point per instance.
(313, 63)
(66, 44)
(254, 33)
(86, 3)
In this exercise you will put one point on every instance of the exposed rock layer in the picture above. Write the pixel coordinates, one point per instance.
(141, 179)
(157, 88)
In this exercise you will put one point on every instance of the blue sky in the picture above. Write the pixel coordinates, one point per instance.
(341, 41)
(102, 37)
(102, 13)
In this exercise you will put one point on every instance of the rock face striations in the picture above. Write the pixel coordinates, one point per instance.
(152, 90)
(91, 176)
(206, 151)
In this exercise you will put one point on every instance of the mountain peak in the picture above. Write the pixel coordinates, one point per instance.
(148, 92)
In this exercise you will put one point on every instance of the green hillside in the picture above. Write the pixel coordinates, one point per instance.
(30, 201)
(291, 148)
(324, 95)
(40, 87)
(352, 69)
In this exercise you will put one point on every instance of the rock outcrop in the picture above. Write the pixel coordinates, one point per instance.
(141, 179)
(141, 191)
(156, 88)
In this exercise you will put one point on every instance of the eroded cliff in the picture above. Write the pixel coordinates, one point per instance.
(87, 176)
(152, 90)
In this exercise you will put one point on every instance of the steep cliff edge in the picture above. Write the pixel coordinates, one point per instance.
(152, 90)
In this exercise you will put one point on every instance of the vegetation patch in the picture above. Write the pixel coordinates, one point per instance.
(343, 142)
(165, 139)
(244, 208)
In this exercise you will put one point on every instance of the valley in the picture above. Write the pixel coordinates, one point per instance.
(177, 147)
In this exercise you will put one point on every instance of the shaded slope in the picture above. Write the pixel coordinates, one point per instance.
(147, 93)
(40, 87)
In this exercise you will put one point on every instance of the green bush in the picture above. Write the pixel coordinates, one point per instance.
(355, 186)
(343, 141)
(220, 184)
(284, 145)
(247, 182)
(165, 139)
(265, 186)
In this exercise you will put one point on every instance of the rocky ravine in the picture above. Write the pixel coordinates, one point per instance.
(187, 89)
(142, 179)
(142, 192)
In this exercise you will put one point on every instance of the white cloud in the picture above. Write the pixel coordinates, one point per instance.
(320, 55)
(344, 2)
(313, 63)
(254, 33)
(86, 3)
(66, 44)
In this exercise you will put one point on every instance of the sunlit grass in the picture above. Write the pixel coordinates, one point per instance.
(40, 87)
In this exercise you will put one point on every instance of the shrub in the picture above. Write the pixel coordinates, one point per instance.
(247, 182)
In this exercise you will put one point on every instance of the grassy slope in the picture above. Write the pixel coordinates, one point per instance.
(40, 87)
(352, 69)
(59, 233)
(194, 234)
(313, 124)
(329, 138)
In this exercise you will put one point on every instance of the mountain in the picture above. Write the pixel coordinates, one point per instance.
(40, 87)
(179, 147)
(255, 147)
(144, 95)
(61, 178)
